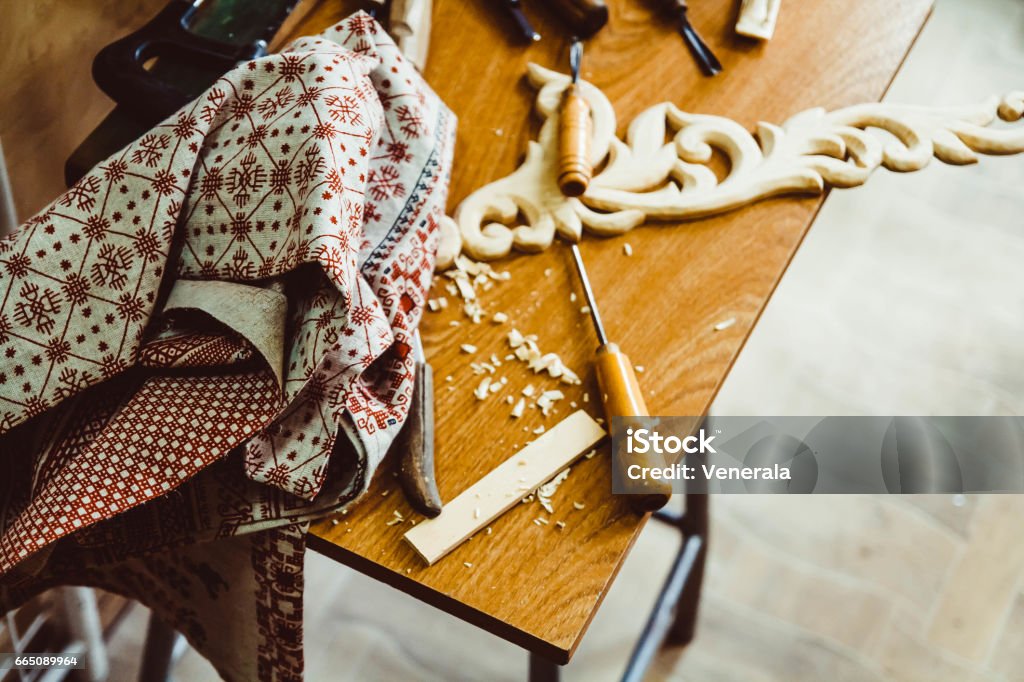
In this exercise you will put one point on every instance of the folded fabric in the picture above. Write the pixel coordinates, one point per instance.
(208, 337)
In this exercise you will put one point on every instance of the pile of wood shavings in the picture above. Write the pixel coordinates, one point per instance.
(466, 281)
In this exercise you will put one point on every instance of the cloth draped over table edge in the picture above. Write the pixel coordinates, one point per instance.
(265, 253)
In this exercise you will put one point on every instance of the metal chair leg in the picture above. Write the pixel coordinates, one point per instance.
(694, 525)
(674, 617)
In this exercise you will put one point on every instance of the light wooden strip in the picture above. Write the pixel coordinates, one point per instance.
(505, 486)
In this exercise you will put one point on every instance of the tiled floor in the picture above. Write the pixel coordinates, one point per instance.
(905, 299)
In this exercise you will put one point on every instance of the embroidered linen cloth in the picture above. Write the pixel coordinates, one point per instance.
(205, 343)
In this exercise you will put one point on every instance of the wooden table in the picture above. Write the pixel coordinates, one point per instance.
(538, 586)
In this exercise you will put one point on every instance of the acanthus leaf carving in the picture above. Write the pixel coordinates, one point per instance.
(661, 171)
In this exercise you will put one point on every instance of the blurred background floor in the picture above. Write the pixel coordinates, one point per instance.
(906, 298)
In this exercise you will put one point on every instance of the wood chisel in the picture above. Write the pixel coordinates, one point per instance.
(620, 390)
(515, 11)
(585, 17)
(706, 59)
(415, 442)
(621, 397)
(575, 131)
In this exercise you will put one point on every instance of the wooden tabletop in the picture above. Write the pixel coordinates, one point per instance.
(539, 586)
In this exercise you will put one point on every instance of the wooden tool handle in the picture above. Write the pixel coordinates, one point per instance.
(415, 447)
(586, 17)
(622, 397)
(410, 25)
(574, 169)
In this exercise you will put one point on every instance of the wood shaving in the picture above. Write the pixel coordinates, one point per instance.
(539, 430)
(467, 564)
(465, 289)
(474, 311)
(725, 324)
(482, 391)
(578, 505)
(526, 350)
(517, 411)
(547, 491)
(547, 401)
(468, 348)
(560, 524)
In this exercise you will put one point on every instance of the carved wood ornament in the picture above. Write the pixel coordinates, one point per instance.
(661, 171)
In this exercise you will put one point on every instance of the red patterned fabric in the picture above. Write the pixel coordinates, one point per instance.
(319, 173)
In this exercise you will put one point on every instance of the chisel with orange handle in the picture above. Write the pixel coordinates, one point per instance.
(575, 131)
(620, 391)
(621, 397)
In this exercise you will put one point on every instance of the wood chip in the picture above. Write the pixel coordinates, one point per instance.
(483, 390)
(468, 348)
(499, 318)
(725, 324)
(627, 249)
(517, 411)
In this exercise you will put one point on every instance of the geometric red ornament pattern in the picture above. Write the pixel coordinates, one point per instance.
(321, 173)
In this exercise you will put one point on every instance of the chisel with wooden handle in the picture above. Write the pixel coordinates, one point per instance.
(620, 391)
(575, 131)
(585, 17)
(621, 397)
